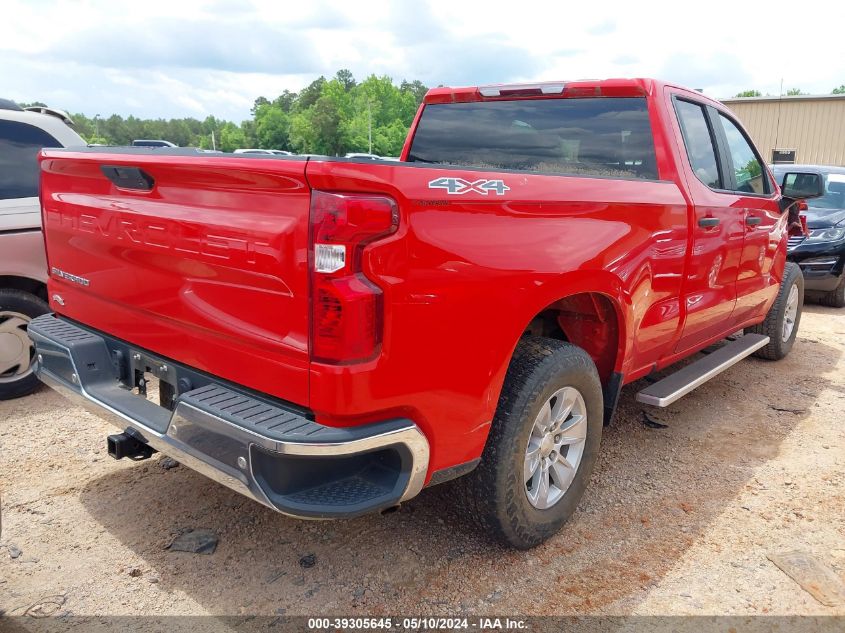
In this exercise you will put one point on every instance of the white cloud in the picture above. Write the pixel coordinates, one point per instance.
(194, 58)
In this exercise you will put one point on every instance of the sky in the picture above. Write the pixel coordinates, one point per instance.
(179, 58)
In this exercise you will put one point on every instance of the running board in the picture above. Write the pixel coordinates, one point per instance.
(665, 392)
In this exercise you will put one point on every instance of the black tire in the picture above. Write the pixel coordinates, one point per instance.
(836, 297)
(772, 325)
(494, 495)
(29, 306)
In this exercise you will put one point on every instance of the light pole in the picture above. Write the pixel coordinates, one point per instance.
(97, 125)
(370, 125)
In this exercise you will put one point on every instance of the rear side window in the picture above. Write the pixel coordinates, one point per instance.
(748, 171)
(601, 136)
(698, 140)
(19, 146)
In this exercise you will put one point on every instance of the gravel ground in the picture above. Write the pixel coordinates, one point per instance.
(677, 520)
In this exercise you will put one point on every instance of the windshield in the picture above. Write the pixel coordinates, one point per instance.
(834, 193)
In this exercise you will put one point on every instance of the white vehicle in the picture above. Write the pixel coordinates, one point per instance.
(23, 266)
(362, 155)
(273, 152)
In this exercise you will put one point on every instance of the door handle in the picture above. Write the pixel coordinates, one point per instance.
(128, 177)
(708, 223)
(753, 220)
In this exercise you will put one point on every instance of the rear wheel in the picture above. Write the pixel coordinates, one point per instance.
(836, 297)
(542, 447)
(17, 353)
(781, 322)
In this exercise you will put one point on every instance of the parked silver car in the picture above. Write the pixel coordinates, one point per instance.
(23, 265)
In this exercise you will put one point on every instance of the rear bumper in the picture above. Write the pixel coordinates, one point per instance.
(267, 450)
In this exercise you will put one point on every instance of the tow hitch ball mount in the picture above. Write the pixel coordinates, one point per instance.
(129, 444)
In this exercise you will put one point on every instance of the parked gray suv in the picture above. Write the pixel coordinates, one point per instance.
(23, 265)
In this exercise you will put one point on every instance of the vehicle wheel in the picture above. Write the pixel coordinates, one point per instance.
(781, 323)
(542, 446)
(17, 353)
(836, 297)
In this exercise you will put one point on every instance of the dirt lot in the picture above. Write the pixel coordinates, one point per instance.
(677, 520)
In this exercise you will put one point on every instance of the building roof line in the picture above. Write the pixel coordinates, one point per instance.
(783, 98)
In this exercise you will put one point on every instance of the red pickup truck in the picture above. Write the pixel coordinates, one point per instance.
(328, 336)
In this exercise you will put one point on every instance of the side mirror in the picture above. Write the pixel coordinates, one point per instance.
(802, 185)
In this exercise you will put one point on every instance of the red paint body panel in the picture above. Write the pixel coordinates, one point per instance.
(211, 269)
(461, 283)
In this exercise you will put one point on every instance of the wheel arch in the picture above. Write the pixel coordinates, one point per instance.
(587, 310)
(590, 320)
(25, 284)
(606, 299)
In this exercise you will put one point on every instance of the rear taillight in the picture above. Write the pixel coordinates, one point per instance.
(347, 313)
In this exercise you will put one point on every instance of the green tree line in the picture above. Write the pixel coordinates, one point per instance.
(329, 116)
(792, 92)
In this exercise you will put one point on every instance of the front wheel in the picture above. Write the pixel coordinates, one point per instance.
(836, 297)
(781, 322)
(542, 447)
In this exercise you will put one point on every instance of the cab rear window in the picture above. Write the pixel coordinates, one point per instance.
(602, 136)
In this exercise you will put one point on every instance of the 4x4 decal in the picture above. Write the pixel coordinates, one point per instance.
(460, 186)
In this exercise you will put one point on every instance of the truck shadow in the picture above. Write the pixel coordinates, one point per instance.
(654, 492)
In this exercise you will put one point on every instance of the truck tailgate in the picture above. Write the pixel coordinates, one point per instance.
(200, 259)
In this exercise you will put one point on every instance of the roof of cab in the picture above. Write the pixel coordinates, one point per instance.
(634, 87)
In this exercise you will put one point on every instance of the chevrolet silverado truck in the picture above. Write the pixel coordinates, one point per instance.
(328, 336)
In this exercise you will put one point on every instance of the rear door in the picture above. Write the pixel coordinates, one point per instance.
(718, 229)
(753, 195)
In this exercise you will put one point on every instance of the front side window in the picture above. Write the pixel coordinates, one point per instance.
(19, 147)
(748, 172)
(596, 136)
(699, 143)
